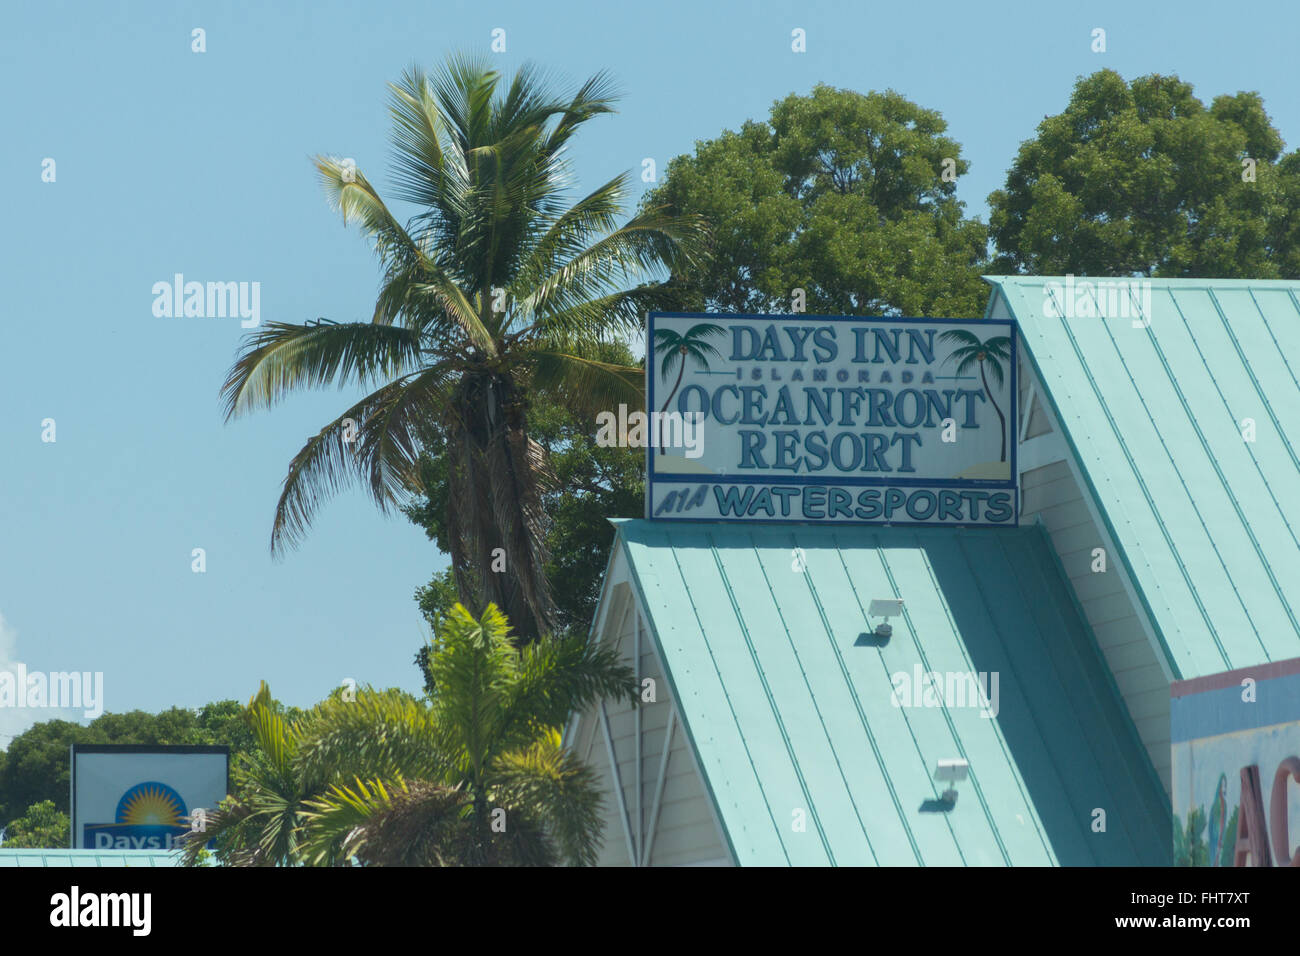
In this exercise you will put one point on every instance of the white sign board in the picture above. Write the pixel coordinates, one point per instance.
(143, 798)
(831, 419)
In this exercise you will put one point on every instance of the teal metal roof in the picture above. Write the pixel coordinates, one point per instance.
(1208, 523)
(82, 858)
(789, 708)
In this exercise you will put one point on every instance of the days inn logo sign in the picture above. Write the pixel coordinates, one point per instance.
(831, 419)
(150, 816)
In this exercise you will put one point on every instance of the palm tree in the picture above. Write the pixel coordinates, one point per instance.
(991, 352)
(473, 775)
(262, 824)
(677, 348)
(495, 288)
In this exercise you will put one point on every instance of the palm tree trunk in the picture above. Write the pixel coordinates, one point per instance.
(495, 504)
(680, 372)
(1001, 418)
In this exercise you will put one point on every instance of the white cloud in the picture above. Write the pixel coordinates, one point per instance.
(14, 720)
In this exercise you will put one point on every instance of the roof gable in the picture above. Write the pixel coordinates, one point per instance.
(1185, 426)
(792, 717)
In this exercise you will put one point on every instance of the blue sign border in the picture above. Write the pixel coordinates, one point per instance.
(983, 484)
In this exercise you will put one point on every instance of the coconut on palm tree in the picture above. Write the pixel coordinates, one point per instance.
(473, 775)
(497, 288)
(971, 352)
(676, 349)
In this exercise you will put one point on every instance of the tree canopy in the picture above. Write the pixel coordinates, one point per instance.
(848, 196)
(40, 827)
(35, 767)
(475, 774)
(500, 289)
(1141, 178)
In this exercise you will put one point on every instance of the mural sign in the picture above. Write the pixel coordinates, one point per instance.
(831, 419)
(1236, 767)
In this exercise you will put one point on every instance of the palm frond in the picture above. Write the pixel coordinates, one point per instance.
(644, 244)
(471, 667)
(968, 361)
(389, 440)
(587, 386)
(558, 676)
(596, 96)
(378, 734)
(349, 193)
(280, 358)
(260, 825)
(620, 312)
(336, 820)
(359, 444)
(570, 233)
(560, 787)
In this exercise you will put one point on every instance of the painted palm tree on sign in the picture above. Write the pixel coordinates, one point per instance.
(676, 349)
(970, 351)
(496, 289)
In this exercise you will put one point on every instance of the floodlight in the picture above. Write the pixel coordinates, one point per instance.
(886, 608)
(952, 770)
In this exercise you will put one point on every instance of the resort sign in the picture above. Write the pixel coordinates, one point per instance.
(831, 419)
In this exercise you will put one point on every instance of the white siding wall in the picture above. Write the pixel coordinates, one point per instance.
(1051, 495)
(686, 832)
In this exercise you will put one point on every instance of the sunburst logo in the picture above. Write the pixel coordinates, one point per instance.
(150, 816)
(151, 804)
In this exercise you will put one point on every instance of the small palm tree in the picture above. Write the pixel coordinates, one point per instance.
(474, 775)
(261, 823)
(678, 348)
(495, 289)
(992, 352)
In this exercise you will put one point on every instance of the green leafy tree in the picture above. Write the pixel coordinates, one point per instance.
(42, 826)
(260, 823)
(176, 725)
(37, 765)
(36, 768)
(600, 483)
(497, 291)
(1141, 178)
(474, 775)
(848, 196)
(435, 600)
(222, 723)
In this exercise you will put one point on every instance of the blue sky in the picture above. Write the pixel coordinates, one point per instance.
(171, 161)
